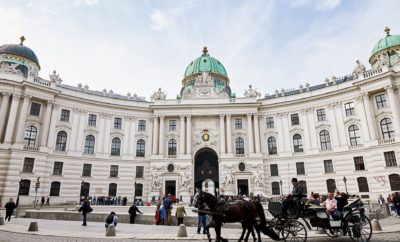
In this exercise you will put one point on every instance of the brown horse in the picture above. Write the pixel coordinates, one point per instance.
(241, 211)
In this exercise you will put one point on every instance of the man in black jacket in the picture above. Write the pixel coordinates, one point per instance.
(85, 209)
(132, 211)
(10, 206)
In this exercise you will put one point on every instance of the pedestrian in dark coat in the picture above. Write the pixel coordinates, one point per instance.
(132, 211)
(10, 206)
(85, 209)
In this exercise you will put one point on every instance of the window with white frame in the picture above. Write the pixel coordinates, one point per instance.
(297, 143)
(272, 148)
(58, 168)
(325, 140)
(295, 119)
(64, 115)
(270, 122)
(28, 165)
(87, 170)
(142, 125)
(30, 136)
(35, 109)
(359, 163)
(117, 123)
(89, 144)
(354, 135)
(114, 171)
(238, 123)
(92, 120)
(321, 115)
(349, 108)
(140, 148)
(172, 125)
(328, 166)
(239, 145)
(387, 128)
(300, 168)
(116, 146)
(390, 158)
(381, 101)
(61, 141)
(274, 170)
(172, 147)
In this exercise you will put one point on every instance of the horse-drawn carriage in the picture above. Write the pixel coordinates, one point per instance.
(287, 226)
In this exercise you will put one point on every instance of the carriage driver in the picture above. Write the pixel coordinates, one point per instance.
(292, 200)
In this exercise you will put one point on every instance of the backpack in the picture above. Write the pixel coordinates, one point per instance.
(110, 219)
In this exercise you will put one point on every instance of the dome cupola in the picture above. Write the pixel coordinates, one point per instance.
(205, 63)
(386, 51)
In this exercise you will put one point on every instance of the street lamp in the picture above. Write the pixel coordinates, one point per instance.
(345, 183)
(280, 182)
(82, 194)
(37, 186)
(134, 194)
(19, 189)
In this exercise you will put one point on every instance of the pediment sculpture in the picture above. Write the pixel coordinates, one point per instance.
(252, 92)
(158, 95)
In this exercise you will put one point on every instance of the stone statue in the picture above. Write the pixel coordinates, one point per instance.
(228, 180)
(359, 69)
(258, 179)
(155, 182)
(251, 92)
(158, 95)
(186, 180)
(9, 67)
(383, 60)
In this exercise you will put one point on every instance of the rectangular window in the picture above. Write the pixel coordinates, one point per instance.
(270, 122)
(92, 120)
(295, 119)
(55, 189)
(359, 163)
(328, 165)
(58, 168)
(349, 108)
(114, 171)
(172, 125)
(142, 125)
(381, 101)
(139, 171)
(238, 123)
(390, 158)
(64, 115)
(300, 168)
(321, 115)
(28, 165)
(274, 170)
(35, 109)
(117, 123)
(87, 170)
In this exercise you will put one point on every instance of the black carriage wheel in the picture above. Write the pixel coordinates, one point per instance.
(276, 226)
(333, 232)
(294, 231)
(359, 228)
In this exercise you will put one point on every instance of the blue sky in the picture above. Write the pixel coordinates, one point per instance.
(138, 46)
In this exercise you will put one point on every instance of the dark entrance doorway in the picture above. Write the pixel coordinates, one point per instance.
(243, 186)
(170, 187)
(206, 167)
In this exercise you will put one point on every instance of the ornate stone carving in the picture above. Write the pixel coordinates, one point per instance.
(257, 179)
(252, 92)
(227, 181)
(9, 67)
(155, 181)
(359, 69)
(186, 180)
(54, 77)
(383, 59)
(158, 95)
(203, 87)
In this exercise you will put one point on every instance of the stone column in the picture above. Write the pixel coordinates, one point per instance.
(182, 135)
(306, 133)
(394, 107)
(256, 132)
(162, 134)
(362, 114)
(370, 117)
(127, 136)
(46, 124)
(81, 129)
(228, 133)
(148, 149)
(188, 134)
(132, 138)
(3, 112)
(74, 130)
(250, 133)
(311, 129)
(279, 127)
(107, 140)
(11, 118)
(155, 135)
(332, 120)
(102, 130)
(52, 130)
(222, 133)
(340, 124)
(22, 119)
(287, 140)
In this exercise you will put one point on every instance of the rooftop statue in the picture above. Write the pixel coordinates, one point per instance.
(359, 69)
(54, 77)
(252, 92)
(158, 95)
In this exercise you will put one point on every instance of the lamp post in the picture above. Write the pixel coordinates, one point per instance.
(37, 186)
(280, 182)
(19, 189)
(81, 194)
(345, 183)
(134, 194)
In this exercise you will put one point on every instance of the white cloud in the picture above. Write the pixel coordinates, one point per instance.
(326, 4)
(163, 19)
(86, 2)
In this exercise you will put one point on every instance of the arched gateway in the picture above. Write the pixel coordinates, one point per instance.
(206, 172)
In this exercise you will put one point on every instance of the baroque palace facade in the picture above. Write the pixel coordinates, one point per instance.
(342, 134)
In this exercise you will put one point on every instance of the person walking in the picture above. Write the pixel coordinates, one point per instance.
(158, 215)
(48, 201)
(132, 212)
(202, 219)
(112, 220)
(85, 209)
(42, 201)
(10, 206)
(180, 213)
(168, 207)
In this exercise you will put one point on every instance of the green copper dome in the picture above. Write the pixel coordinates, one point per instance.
(205, 63)
(387, 42)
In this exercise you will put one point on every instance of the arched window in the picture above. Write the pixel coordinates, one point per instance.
(325, 140)
(24, 187)
(362, 184)
(354, 134)
(140, 148)
(304, 185)
(272, 149)
(112, 190)
(387, 128)
(85, 188)
(138, 190)
(30, 135)
(275, 188)
(394, 180)
(239, 145)
(116, 146)
(55, 188)
(331, 185)
(61, 142)
(172, 147)
(297, 143)
(89, 144)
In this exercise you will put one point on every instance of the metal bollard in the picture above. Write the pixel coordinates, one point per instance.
(2, 220)
(182, 231)
(33, 227)
(376, 226)
(111, 231)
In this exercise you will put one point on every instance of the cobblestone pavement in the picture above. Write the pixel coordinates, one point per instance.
(16, 237)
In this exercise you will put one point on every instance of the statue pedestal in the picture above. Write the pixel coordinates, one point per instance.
(155, 194)
(185, 196)
(229, 192)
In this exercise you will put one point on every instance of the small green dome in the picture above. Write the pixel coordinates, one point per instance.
(387, 42)
(205, 63)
